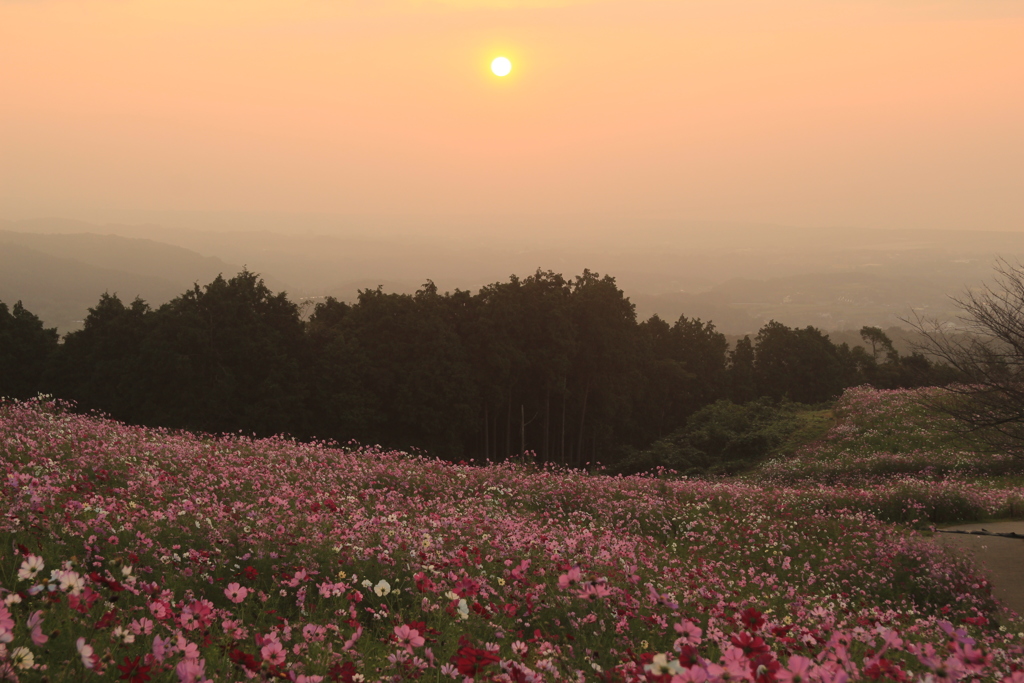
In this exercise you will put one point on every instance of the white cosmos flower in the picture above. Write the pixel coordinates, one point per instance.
(22, 658)
(125, 635)
(382, 588)
(71, 581)
(30, 567)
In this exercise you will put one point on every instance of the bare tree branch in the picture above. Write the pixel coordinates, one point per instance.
(987, 349)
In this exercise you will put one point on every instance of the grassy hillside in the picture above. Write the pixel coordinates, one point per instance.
(139, 554)
(886, 435)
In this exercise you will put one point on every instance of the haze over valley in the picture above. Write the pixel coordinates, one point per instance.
(738, 276)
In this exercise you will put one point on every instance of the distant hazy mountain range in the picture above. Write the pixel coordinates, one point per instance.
(59, 276)
(737, 276)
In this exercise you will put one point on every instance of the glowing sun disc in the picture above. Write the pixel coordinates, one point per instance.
(501, 66)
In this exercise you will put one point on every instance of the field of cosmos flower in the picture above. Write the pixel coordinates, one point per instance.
(138, 554)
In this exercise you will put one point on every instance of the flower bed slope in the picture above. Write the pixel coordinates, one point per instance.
(139, 554)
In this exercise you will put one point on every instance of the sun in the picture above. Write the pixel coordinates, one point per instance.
(501, 66)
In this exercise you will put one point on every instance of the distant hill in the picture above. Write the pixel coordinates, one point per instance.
(60, 276)
(737, 276)
(829, 301)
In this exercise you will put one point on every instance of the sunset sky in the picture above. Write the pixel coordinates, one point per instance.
(860, 113)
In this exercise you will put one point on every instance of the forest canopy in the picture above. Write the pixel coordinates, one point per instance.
(545, 364)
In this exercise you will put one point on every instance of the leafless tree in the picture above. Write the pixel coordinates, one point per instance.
(987, 350)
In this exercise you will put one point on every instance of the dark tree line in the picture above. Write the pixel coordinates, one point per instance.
(557, 366)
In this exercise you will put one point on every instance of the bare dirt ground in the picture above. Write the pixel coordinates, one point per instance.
(1002, 559)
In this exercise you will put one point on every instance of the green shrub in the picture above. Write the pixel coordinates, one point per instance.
(725, 438)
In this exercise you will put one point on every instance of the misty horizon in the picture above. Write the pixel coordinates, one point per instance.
(737, 277)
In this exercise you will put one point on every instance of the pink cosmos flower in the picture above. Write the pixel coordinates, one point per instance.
(689, 632)
(203, 611)
(298, 578)
(161, 648)
(593, 590)
(958, 634)
(570, 578)
(273, 652)
(35, 624)
(890, 638)
(160, 609)
(191, 670)
(271, 637)
(90, 660)
(663, 599)
(409, 637)
(929, 657)
(716, 672)
(187, 649)
(188, 620)
(976, 661)
(314, 633)
(695, 674)
(236, 592)
(520, 572)
(837, 676)
(353, 640)
(6, 622)
(141, 626)
(951, 670)
(796, 671)
(735, 663)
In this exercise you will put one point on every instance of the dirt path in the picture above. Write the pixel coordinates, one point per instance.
(1002, 559)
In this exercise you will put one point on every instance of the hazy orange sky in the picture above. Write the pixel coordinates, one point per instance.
(864, 113)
